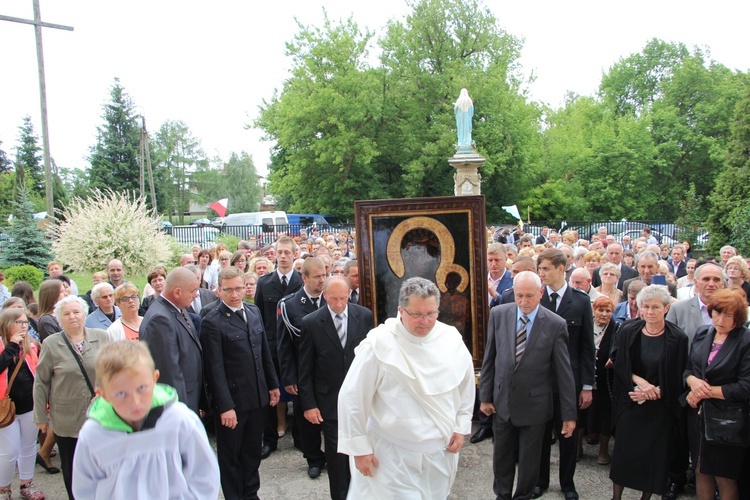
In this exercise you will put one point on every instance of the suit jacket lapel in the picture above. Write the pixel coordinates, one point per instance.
(565, 301)
(190, 327)
(350, 326)
(546, 302)
(533, 335)
(724, 350)
(330, 330)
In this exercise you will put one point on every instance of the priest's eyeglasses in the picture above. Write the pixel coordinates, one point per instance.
(429, 315)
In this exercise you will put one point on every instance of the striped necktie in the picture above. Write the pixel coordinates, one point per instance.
(340, 329)
(521, 338)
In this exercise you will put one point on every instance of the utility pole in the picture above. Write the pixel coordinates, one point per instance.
(38, 25)
(145, 158)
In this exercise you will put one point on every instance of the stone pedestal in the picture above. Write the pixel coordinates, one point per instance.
(467, 179)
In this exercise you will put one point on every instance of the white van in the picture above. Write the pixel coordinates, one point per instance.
(265, 226)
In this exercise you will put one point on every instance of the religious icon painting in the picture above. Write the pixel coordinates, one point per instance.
(441, 239)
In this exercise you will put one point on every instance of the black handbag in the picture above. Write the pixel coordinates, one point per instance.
(725, 422)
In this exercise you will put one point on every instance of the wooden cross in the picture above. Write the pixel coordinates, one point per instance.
(38, 25)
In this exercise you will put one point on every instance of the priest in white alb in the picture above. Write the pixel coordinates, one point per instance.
(406, 404)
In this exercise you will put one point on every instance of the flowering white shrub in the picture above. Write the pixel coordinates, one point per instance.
(109, 226)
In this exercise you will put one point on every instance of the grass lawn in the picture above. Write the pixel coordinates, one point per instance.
(84, 282)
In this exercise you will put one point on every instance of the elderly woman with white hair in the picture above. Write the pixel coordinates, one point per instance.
(106, 311)
(65, 379)
(610, 275)
(650, 358)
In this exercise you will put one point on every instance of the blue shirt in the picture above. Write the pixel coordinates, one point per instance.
(529, 324)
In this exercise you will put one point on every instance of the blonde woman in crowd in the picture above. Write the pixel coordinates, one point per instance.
(127, 326)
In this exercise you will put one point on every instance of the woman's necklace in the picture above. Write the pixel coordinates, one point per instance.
(135, 329)
(653, 334)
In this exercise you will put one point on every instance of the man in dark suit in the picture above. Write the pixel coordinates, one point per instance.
(173, 339)
(205, 296)
(647, 266)
(292, 309)
(574, 306)
(499, 280)
(677, 265)
(272, 287)
(351, 271)
(614, 256)
(542, 238)
(525, 358)
(323, 363)
(498, 277)
(242, 381)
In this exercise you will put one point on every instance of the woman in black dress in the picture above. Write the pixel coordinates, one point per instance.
(599, 422)
(719, 370)
(649, 361)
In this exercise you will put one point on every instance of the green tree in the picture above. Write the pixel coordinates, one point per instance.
(114, 157)
(28, 243)
(29, 163)
(178, 155)
(241, 181)
(325, 122)
(635, 82)
(345, 130)
(689, 104)
(730, 200)
(5, 164)
(75, 182)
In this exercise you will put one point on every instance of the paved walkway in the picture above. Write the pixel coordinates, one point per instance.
(284, 476)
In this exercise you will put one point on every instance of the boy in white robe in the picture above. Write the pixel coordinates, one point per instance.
(406, 403)
(139, 442)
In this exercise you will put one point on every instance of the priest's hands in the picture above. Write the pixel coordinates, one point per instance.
(457, 441)
(366, 464)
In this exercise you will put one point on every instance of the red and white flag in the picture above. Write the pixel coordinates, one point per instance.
(220, 207)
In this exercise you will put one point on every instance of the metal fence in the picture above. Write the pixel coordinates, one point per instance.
(206, 236)
(661, 229)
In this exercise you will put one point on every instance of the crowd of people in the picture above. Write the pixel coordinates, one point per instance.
(594, 341)
(656, 357)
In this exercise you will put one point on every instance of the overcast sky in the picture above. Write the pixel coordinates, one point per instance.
(211, 64)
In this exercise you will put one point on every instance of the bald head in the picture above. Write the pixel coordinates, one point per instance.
(181, 287)
(187, 260)
(581, 279)
(115, 272)
(336, 293)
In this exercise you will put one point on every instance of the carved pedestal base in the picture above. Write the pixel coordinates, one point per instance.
(467, 179)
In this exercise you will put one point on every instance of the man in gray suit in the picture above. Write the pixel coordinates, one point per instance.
(526, 351)
(692, 313)
(173, 339)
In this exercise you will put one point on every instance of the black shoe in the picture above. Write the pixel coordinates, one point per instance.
(537, 492)
(673, 491)
(50, 469)
(571, 495)
(314, 472)
(481, 435)
(266, 451)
